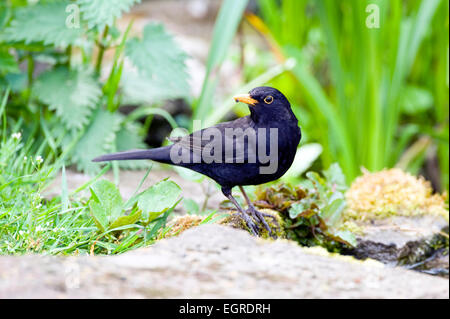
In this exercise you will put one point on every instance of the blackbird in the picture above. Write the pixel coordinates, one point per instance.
(250, 150)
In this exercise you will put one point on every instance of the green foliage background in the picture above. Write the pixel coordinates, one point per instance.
(71, 86)
(372, 97)
(365, 97)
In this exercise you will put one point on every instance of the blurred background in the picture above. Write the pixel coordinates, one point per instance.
(368, 80)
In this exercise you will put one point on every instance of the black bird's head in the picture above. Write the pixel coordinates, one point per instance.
(267, 104)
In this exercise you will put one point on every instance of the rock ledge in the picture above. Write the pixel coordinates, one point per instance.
(213, 261)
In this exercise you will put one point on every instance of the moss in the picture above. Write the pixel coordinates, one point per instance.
(351, 226)
(235, 221)
(392, 192)
(426, 250)
(276, 225)
(181, 223)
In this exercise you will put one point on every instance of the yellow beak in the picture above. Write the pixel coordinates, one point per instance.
(245, 98)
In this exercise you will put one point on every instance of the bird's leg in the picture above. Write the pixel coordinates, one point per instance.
(252, 207)
(254, 229)
(255, 213)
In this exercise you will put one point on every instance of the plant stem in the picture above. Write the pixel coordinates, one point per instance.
(69, 55)
(30, 69)
(101, 52)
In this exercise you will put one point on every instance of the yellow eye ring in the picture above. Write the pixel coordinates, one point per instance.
(268, 99)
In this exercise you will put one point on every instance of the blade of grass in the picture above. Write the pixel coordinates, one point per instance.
(148, 110)
(228, 19)
(64, 191)
(411, 36)
(133, 197)
(318, 100)
(92, 181)
(3, 111)
(112, 84)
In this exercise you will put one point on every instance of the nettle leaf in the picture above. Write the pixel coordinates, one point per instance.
(142, 89)
(97, 140)
(106, 203)
(72, 94)
(158, 198)
(161, 67)
(101, 13)
(44, 23)
(127, 138)
(5, 14)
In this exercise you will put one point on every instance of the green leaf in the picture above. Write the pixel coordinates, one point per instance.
(8, 63)
(106, 203)
(99, 215)
(160, 222)
(315, 178)
(97, 140)
(44, 23)
(101, 13)
(318, 182)
(332, 212)
(161, 63)
(344, 236)
(126, 220)
(335, 176)
(158, 198)
(415, 100)
(71, 93)
(303, 205)
(5, 14)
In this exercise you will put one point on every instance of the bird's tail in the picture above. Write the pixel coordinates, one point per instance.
(160, 154)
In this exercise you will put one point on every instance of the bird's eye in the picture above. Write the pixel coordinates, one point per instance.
(268, 99)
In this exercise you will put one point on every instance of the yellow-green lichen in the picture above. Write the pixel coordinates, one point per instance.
(392, 192)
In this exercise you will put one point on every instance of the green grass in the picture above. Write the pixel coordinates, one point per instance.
(227, 22)
(69, 223)
(372, 93)
(65, 224)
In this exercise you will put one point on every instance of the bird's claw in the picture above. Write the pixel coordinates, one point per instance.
(250, 224)
(259, 217)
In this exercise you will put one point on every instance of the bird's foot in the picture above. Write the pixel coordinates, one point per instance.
(250, 223)
(259, 217)
(274, 218)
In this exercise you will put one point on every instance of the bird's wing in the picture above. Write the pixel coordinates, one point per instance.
(230, 142)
